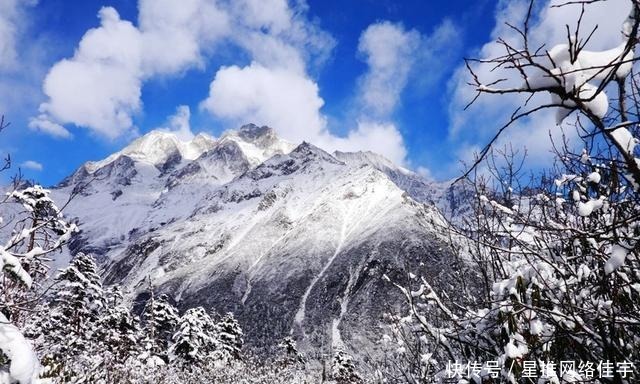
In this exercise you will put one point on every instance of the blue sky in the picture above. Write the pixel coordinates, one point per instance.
(79, 80)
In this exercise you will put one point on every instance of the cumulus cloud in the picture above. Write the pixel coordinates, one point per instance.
(278, 97)
(290, 102)
(190, 27)
(379, 137)
(100, 87)
(478, 124)
(32, 165)
(388, 50)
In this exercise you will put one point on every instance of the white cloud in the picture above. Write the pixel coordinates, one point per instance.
(389, 52)
(278, 33)
(32, 165)
(179, 123)
(548, 26)
(11, 24)
(100, 87)
(43, 124)
(276, 90)
(438, 51)
(277, 97)
(290, 103)
(176, 35)
(24, 56)
(381, 138)
(395, 56)
(424, 172)
(8, 34)
(274, 15)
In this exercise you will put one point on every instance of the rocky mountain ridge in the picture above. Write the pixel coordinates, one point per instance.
(252, 224)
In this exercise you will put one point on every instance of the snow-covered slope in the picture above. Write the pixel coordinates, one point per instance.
(156, 148)
(115, 197)
(419, 188)
(260, 227)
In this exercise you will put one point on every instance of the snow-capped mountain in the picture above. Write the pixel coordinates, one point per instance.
(292, 239)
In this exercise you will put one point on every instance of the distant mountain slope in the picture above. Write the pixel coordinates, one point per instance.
(292, 239)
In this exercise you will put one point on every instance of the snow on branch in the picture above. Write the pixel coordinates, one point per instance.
(576, 79)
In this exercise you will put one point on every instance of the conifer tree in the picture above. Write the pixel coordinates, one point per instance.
(160, 319)
(195, 339)
(71, 328)
(119, 332)
(289, 349)
(230, 336)
(343, 370)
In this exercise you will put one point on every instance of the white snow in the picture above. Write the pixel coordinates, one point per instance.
(594, 177)
(258, 151)
(575, 195)
(517, 347)
(536, 327)
(344, 306)
(593, 62)
(24, 366)
(616, 260)
(155, 148)
(596, 101)
(300, 314)
(624, 138)
(586, 208)
(11, 263)
(307, 205)
(580, 76)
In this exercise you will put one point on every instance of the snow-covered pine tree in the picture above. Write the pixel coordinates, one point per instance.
(113, 296)
(289, 349)
(230, 336)
(343, 370)
(78, 294)
(195, 339)
(160, 319)
(69, 334)
(118, 331)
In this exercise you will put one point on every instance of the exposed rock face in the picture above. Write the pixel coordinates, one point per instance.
(292, 239)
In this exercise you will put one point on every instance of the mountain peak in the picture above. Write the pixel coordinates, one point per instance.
(369, 158)
(252, 132)
(308, 150)
(156, 147)
(257, 143)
